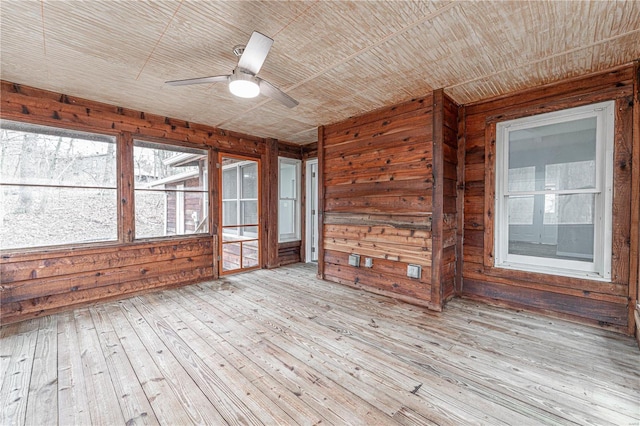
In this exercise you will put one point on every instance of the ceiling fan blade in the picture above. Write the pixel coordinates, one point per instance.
(273, 92)
(201, 80)
(255, 53)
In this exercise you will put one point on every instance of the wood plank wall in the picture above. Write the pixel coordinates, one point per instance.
(599, 303)
(37, 282)
(377, 194)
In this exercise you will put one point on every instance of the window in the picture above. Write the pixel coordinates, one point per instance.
(289, 204)
(58, 186)
(171, 187)
(554, 176)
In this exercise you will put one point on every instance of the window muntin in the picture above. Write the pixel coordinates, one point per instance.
(554, 192)
(171, 190)
(289, 199)
(57, 186)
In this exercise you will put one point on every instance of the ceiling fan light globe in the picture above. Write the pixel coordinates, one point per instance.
(244, 88)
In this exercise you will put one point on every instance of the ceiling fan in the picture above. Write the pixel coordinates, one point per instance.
(243, 81)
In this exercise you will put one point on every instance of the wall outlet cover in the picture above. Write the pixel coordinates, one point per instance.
(414, 271)
(354, 260)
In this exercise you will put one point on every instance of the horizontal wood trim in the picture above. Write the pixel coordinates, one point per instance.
(390, 251)
(380, 234)
(389, 204)
(395, 220)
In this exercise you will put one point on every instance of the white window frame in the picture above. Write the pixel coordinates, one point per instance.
(600, 268)
(291, 236)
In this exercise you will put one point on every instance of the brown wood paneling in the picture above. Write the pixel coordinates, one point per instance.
(34, 284)
(289, 150)
(310, 151)
(378, 187)
(289, 252)
(613, 315)
(589, 301)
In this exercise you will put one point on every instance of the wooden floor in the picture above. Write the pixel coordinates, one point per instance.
(281, 347)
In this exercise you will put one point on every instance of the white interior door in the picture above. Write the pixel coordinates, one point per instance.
(312, 211)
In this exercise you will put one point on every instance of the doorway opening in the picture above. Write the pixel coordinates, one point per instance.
(239, 214)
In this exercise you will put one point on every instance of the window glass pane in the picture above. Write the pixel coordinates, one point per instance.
(288, 174)
(231, 256)
(230, 183)
(562, 156)
(521, 210)
(522, 179)
(156, 165)
(171, 190)
(567, 231)
(249, 212)
(41, 216)
(249, 174)
(229, 213)
(576, 175)
(576, 209)
(151, 207)
(286, 217)
(32, 158)
(240, 233)
(250, 254)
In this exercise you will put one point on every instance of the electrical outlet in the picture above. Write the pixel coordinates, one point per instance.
(414, 271)
(368, 262)
(354, 260)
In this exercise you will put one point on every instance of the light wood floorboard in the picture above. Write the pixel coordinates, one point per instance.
(282, 347)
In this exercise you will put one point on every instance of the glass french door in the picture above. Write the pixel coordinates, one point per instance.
(239, 214)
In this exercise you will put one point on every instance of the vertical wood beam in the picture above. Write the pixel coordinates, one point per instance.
(321, 202)
(126, 194)
(462, 123)
(634, 252)
(437, 199)
(489, 193)
(270, 218)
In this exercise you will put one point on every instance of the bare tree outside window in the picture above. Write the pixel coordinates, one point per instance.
(57, 186)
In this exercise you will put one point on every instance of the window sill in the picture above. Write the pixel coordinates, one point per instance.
(289, 240)
(584, 275)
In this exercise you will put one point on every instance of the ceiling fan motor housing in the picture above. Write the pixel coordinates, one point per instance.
(244, 84)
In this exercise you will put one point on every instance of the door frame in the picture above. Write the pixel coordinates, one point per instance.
(311, 235)
(259, 225)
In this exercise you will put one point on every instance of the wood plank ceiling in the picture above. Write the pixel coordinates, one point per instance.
(338, 58)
